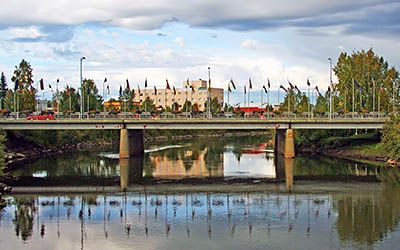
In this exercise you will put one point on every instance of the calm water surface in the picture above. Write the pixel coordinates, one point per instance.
(364, 216)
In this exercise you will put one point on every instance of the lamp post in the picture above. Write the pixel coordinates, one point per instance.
(80, 69)
(209, 97)
(330, 84)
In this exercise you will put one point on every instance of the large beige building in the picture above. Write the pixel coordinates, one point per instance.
(166, 97)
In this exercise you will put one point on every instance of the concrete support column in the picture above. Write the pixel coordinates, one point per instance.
(131, 143)
(284, 142)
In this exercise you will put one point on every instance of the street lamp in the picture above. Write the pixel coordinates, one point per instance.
(209, 96)
(330, 87)
(82, 58)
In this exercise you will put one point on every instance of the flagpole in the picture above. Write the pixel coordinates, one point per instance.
(288, 94)
(394, 97)
(228, 98)
(353, 98)
(262, 97)
(268, 100)
(244, 97)
(145, 101)
(379, 101)
(186, 97)
(309, 101)
(373, 95)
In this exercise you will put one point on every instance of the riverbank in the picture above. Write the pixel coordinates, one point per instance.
(362, 147)
(20, 149)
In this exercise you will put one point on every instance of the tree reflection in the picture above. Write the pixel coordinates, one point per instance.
(23, 218)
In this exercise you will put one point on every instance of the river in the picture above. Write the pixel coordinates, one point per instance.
(302, 203)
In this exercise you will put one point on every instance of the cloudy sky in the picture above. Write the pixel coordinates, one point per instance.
(279, 40)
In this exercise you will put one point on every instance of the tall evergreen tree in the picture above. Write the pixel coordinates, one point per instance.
(3, 90)
(26, 92)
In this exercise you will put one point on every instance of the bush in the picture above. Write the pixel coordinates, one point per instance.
(391, 137)
(2, 139)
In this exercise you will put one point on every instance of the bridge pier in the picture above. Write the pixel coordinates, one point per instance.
(131, 143)
(284, 142)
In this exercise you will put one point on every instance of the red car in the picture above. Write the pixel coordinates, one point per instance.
(40, 117)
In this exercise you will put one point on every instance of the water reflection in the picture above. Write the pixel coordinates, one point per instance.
(227, 158)
(355, 218)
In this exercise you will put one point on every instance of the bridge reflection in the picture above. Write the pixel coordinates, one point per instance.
(355, 217)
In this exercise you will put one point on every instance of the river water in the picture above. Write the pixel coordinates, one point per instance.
(333, 204)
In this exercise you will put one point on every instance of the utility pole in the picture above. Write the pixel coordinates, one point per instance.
(330, 84)
(209, 96)
(82, 58)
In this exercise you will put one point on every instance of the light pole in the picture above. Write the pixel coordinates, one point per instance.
(209, 97)
(330, 84)
(80, 69)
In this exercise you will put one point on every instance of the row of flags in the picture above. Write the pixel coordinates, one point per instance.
(230, 84)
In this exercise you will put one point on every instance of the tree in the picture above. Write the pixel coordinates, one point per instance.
(391, 137)
(91, 98)
(148, 105)
(69, 100)
(3, 90)
(321, 105)
(215, 107)
(286, 106)
(186, 106)
(364, 70)
(126, 99)
(26, 93)
(303, 104)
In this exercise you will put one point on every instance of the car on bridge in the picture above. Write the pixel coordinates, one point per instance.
(40, 117)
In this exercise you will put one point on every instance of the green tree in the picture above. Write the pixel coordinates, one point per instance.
(69, 100)
(302, 106)
(290, 106)
(187, 106)
(215, 107)
(26, 93)
(391, 137)
(148, 105)
(321, 105)
(2, 139)
(91, 96)
(369, 71)
(126, 99)
(3, 90)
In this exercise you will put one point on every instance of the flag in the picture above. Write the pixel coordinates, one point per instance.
(49, 86)
(290, 84)
(187, 82)
(168, 87)
(138, 87)
(357, 84)
(108, 89)
(105, 79)
(229, 88)
(145, 83)
(16, 85)
(283, 88)
(192, 88)
(120, 90)
(67, 91)
(58, 80)
(316, 88)
(250, 85)
(127, 85)
(88, 90)
(308, 82)
(298, 90)
(245, 89)
(155, 91)
(329, 90)
(265, 89)
(233, 84)
(41, 84)
(269, 84)
(174, 90)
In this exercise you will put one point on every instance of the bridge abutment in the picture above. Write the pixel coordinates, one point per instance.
(131, 143)
(284, 142)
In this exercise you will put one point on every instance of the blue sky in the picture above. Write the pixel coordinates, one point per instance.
(123, 39)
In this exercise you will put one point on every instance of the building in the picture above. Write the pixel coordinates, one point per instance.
(195, 92)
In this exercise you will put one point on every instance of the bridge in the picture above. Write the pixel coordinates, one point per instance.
(132, 130)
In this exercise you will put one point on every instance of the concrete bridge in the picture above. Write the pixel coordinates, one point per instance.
(132, 130)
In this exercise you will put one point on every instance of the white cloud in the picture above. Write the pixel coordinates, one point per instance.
(249, 44)
(180, 41)
(25, 32)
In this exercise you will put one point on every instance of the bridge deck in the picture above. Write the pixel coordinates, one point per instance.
(85, 124)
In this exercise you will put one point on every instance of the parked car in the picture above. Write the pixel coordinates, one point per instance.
(40, 117)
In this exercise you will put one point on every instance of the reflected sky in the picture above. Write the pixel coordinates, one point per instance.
(347, 220)
(233, 157)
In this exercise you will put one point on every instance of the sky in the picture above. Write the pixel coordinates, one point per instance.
(258, 39)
